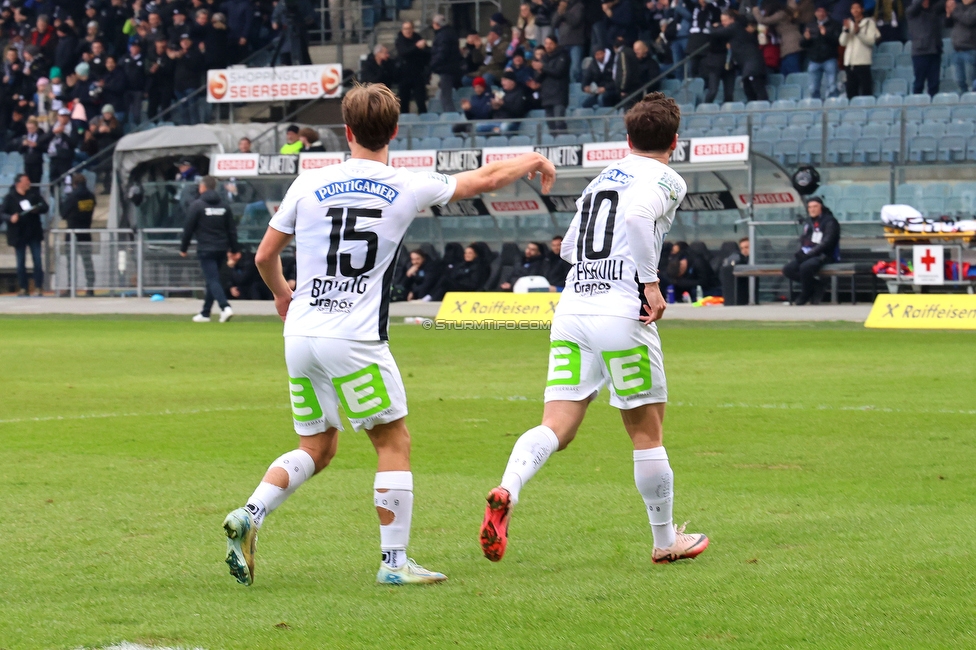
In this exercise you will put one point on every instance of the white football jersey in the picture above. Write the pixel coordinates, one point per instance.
(603, 279)
(349, 221)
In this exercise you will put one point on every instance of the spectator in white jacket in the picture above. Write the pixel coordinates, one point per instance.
(859, 36)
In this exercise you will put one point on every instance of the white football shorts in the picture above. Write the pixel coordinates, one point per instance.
(587, 351)
(360, 376)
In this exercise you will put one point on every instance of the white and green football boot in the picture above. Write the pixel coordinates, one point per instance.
(242, 541)
(410, 573)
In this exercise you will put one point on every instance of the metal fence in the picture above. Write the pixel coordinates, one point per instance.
(121, 261)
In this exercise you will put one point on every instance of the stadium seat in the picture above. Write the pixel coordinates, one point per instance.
(669, 86)
(854, 116)
(809, 102)
(811, 151)
(758, 106)
(920, 99)
(766, 148)
(867, 150)
(452, 117)
(882, 61)
(787, 91)
(699, 122)
(891, 99)
(952, 148)
(502, 140)
(840, 150)
(895, 87)
(883, 115)
(786, 151)
(717, 132)
(848, 209)
(836, 102)
(696, 86)
(804, 118)
(890, 47)
(863, 101)
(453, 142)
(429, 117)
(537, 113)
(519, 141)
(967, 98)
(795, 133)
(442, 131)
(733, 107)
(784, 104)
(960, 129)
(409, 118)
(797, 79)
(428, 143)
(937, 114)
(875, 129)
(891, 149)
(772, 119)
(946, 98)
(480, 141)
(931, 129)
(687, 109)
(415, 132)
(565, 139)
(815, 131)
(707, 108)
(769, 134)
(582, 138)
(694, 133)
(922, 149)
(726, 121)
(903, 61)
(848, 131)
(774, 79)
(397, 145)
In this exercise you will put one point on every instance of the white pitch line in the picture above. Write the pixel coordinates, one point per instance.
(98, 416)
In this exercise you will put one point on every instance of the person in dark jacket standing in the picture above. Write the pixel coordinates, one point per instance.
(60, 145)
(925, 20)
(240, 15)
(378, 68)
(717, 68)
(961, 18)
(160, 79)
(820, 40)
(445, 60)
(553, 77)
(413, 59)
(113, 84)
(626, 69)
(744, 44)
(22, 210)
(67, 51)
(188, 67)
(32, 149)
(77, 209)
(819, 245)
(134, 67)
(210, 220)
(571, 32)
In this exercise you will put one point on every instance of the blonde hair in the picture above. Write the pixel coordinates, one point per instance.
(371, 111)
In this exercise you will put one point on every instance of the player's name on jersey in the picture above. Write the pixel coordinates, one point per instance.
(923, 312)
(498, 307)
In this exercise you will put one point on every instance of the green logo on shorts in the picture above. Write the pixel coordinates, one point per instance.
(304, 404)
(362, 393)
(630, 370)
(564, 364)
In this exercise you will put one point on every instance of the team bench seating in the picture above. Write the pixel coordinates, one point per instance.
(833, 271)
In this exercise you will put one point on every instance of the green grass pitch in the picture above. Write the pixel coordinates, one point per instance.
(833, 468)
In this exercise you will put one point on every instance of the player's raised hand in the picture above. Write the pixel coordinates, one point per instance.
(654, 309)
(547, 172)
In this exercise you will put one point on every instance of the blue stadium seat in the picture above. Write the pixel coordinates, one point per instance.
(848, 209)
(931, 129)
(964, 113)
(891, 149)
(911, 129)
(882, 61)
(759, 106)
(788, 91)
(409, 118)
(519, 141)
(961, 129)
(699, 122)
(863, 101)
(891, 99)
(565, 139)
(795, 133)
(428, 143)
(786, 152)
(584, 138)
(937, 114)
(890, 47)
(502, 140)
(537, 113)
(875, 129)
(797, 79)
(687, 108)
(772, 119)
(429, 117)
(480, 141)
(769, 134)
(784, 104)
(836, 102)
(707, 108)
(774, 79)
(726, 121)
(895, 87)
(547, 139)
(804, 118)
(922, 149)
(717, 132)
(442, 131)
(811, 151)
(883, 115)
(854, 116)
(952, 149)
(867, 150)
(840, 151)
(921, 99)
(417, 131)
(763, 147)
(453, 142)
(397, 145)
(452, 117)
(733, 107)
(694, 133)
(815, 131)
(669, 86)
(967, 98)
(847, 131)
(903, 61)
(946, 98)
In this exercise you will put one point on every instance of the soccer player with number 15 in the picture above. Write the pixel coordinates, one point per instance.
(603, 330)
(348, 222)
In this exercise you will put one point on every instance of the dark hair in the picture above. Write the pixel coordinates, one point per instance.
(209, 182)
(419, 252)
(653, 122)
(743, 239)
(371, 111)
(19, 177)
(559, 237)
(78, 180)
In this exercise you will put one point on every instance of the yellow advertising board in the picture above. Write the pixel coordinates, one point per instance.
(497, 307)
(923, 311)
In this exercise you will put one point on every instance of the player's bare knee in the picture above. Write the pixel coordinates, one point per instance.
(321, 448)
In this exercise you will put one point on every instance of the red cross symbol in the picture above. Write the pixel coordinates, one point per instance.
(928, 260)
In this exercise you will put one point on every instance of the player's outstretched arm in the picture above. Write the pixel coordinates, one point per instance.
(504, 172)
(268, 261)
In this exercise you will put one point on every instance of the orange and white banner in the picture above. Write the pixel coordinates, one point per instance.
(274, 84)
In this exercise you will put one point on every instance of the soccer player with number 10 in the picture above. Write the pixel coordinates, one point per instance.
(348, 223)
(603, 330)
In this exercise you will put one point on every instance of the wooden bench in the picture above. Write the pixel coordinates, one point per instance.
(833, 271)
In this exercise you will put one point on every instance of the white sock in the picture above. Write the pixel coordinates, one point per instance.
(267, 497)
(655, 482)
(532, 450)
(398, 499)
